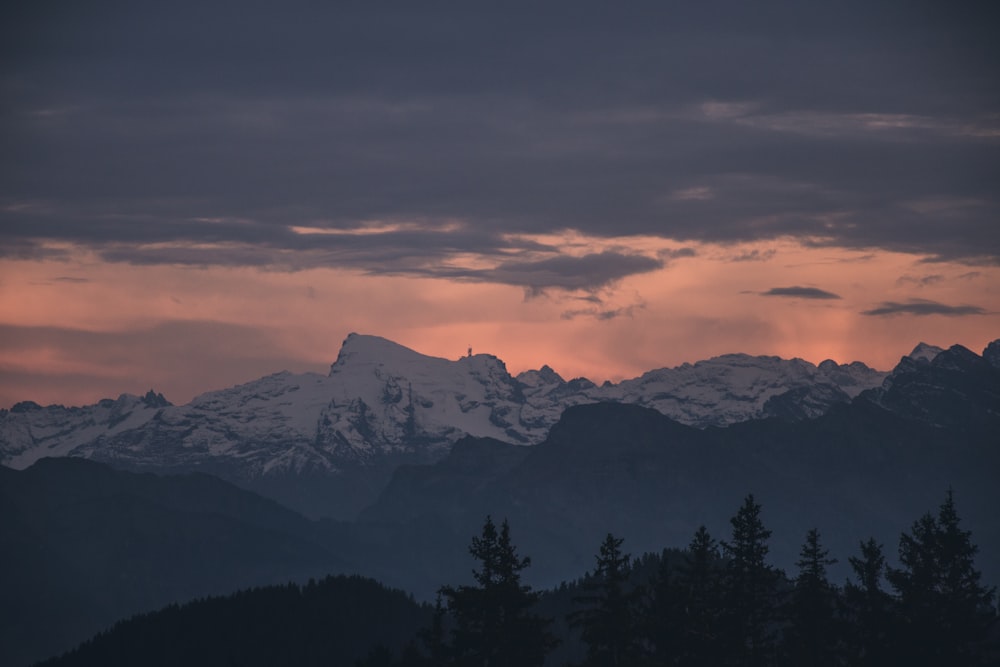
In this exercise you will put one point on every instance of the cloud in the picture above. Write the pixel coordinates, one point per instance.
(880, 126)
(137, 131)
(695, 193)
(754, 255)
(588, 272)
(921, 281)
(800, 292)
(602, 314)
(922, 307)
(676, 253)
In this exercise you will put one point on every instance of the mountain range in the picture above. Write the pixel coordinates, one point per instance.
(865, 468)
(84, 544)
(326, 445)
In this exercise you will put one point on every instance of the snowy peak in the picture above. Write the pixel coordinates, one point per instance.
(543, 377)
(737, 387)
(383, 402)
(922, 355)
(925, 352)
(366, 350)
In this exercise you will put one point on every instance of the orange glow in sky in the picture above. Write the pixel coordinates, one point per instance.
(80, 329)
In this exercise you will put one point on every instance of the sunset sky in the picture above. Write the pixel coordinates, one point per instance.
(195, 194)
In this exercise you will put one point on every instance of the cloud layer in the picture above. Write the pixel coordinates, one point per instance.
(923, 307)
(208, 140)
(590, 185)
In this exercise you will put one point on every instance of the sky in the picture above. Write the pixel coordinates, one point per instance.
(196, 194)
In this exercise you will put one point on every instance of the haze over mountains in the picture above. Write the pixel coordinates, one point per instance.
(325, 445)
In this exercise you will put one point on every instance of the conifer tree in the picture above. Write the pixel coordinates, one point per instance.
(869, 609)
(494, 626)
(693, 611)
(945, 609)
(661, 624)
(609, 621)
(811, 638)
(434, 641)
(749, 590)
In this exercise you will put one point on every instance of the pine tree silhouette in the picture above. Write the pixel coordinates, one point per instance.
(749, 590)
(494, 626)
(869, 609)
(609, 621)
(944, 608)
(812, 636)
(687, 606)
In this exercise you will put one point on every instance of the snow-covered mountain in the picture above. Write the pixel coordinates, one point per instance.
(381, 400)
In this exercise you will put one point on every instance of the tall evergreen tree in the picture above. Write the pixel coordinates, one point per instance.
(434, 641)
(869, 609)
(660, 625)
(609, 621)
(695, 636)
(812, 637)
(750, 590)
(494, 626)
(945, 609)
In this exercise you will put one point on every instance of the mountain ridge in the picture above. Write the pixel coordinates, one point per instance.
(382, 404)
(857, 471)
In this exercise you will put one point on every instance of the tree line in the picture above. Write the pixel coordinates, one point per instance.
(723, 603)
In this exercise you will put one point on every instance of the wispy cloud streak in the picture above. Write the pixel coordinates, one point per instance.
(922, 307)
(800, 293)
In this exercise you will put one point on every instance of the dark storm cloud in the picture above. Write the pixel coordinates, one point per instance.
(851, 124)
(923, 307)
(801, 293)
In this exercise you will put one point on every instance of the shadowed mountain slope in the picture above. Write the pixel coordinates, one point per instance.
(84, 545)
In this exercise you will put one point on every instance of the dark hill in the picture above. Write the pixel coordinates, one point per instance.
(335, 621)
